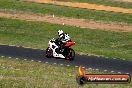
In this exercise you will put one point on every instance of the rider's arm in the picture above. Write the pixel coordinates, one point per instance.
(58, 39)
(61, 37)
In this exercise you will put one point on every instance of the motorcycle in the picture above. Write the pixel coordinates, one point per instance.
(66, 52)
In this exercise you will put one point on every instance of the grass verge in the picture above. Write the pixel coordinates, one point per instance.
(14, 5)
(37, 35)
(27, 74)
(103, 2)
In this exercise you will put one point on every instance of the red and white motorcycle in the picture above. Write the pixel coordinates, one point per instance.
(66, 52)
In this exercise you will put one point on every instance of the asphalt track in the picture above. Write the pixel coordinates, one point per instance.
(101, 63)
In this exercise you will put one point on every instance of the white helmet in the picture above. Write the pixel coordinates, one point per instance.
(60, 32)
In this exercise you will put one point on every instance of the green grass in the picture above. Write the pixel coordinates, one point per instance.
(37, 35)
(104, 2)
(14, 5)
(27, 74)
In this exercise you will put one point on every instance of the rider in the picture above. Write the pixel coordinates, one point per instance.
(62, 39)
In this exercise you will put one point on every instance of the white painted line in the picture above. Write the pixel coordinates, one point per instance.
(105, 70)
(68, 65)
(9, 57)
(119, 72)
(25, 59)
(83, 67)
(17, 58)
(76, 66)
(11, 45)
(89, 55)
(89, 68)
(61, 64)
(46, 62)
(2, 44)
(54, 63)
(39, 61)
(123, 59)
(2, 56)
(96, 69)
(112, 71)
(25, 47)
(32, 60)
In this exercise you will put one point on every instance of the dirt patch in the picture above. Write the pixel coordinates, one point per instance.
(85, 5)
(82, 23)
(123, 1)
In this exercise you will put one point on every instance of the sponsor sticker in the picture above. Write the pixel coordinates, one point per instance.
(83, 78)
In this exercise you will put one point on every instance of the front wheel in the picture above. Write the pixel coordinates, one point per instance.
(70, 54)
(49, 53)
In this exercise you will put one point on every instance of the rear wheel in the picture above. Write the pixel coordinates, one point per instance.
(49, 53)
(70, 54)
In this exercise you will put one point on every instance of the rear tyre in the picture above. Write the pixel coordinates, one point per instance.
(70, 54)
(49, 53)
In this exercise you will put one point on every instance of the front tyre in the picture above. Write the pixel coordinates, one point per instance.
(49, 53)
(70, 54)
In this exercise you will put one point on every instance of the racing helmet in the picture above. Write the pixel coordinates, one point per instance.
(60, 32)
